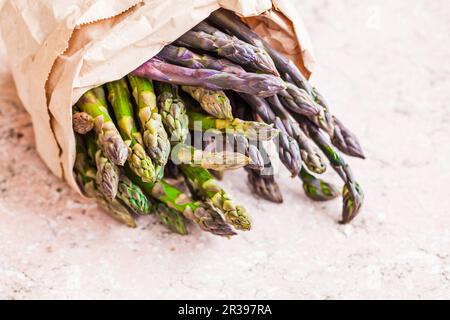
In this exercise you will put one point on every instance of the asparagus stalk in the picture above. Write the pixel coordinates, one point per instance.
(85, 175)
(107, 176)
(317, 189)
(173, 112)
(153, 132)
(353, 194)
(265, 185)
(246, 147)
(139, 161)
(109, 139)
(299, 101)
(263, 85)
(250, 129)
(207, 187)
(133, 196)
(135, 199)
(288, 148)
(214, 102)
(261, 180)
(206, 217)
(309, 153)
(224, 160)
(346, 141)
(170, 218)
(184, 57)
(82, 122)
(206, 37)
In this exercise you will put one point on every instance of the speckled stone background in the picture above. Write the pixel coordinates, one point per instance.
(385, 67)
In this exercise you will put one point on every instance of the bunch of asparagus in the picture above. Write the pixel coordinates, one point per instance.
(137, 151)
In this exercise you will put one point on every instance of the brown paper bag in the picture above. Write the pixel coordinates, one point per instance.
(58, 50)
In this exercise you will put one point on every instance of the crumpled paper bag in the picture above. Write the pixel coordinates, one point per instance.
(57, 50)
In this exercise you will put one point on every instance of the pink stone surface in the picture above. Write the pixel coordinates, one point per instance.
(385, 67)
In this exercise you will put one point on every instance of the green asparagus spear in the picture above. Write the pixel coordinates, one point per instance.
(85, 175)
(250, 129)
(118, 211)
(107, 176)
(173, 112)
(207, 187)
(109, 139)
(136, 200)
(206, 217)
(215, 103)
(140, 162)
(170, 218)
(225, 160)
(317, 189)
(133, 196)
(153, 132)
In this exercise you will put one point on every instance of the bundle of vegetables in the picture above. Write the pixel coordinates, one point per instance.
(136, 154)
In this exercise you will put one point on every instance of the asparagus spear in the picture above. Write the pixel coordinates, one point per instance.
(299, 101)
(109, 139)
(153, 132)
(130, 194)
(353, 194)
(346, 141)
(250, 129)
(288, 148)
(170, 218)
(85, 175)
(309, 153)
(206, 217)
(184, 57)
(82, 122)
(206, 37)
(324, 120)
(135, 199)
(207, 187)
(317, 189)
(140, 162)
(265, 186)
(107, 176)
(263, 85)
(246, 147)
(173, 112)
(214, 102)
(224, 160)
(262, 180)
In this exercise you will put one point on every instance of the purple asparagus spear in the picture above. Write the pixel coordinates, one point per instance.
(261, 85)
